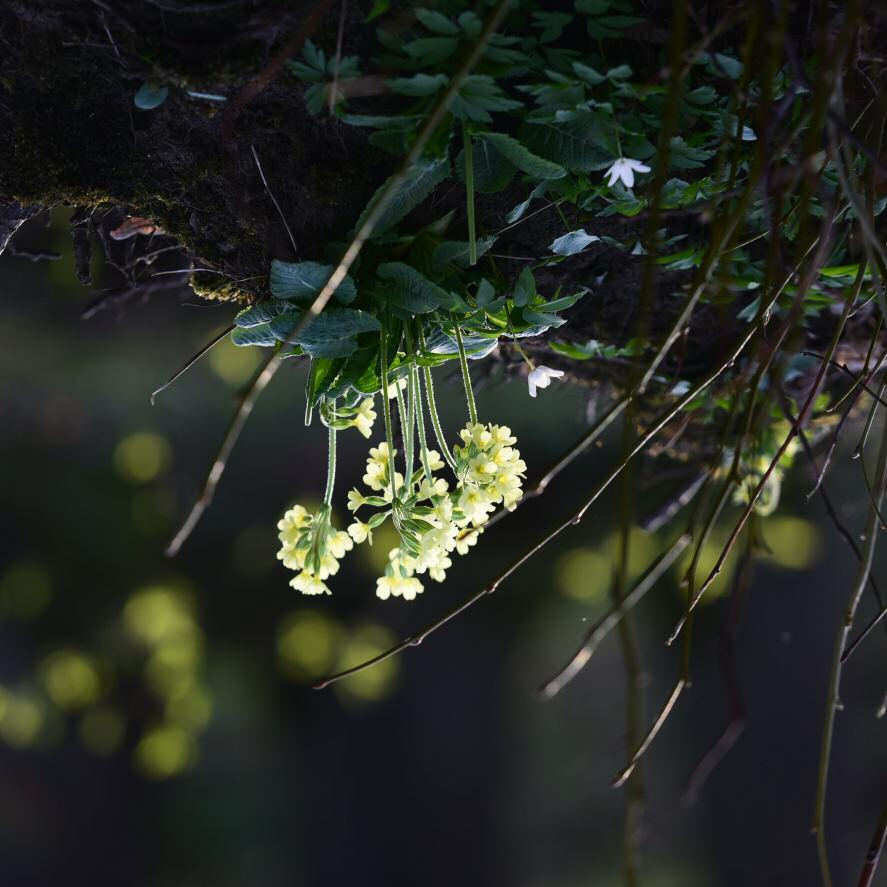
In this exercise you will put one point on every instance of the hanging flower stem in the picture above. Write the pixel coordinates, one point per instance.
(386, 410)
(405, 407)
(466, 378)
(415, 392)
(432, 408)
(331, 468)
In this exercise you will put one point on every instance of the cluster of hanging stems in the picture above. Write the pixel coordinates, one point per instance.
(433, 517)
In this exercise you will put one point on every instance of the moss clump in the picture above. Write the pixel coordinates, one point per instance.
(207, 286)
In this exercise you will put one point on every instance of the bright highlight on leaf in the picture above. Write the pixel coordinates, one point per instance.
(573, 242)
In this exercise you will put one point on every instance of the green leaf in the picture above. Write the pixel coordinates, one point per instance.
(562, 303)
(573, 242)
(842, 271)
(149, 97)
(302, 281)
(580, 144)
(721, 65)
(683, 156)
(703, 95)
(380, 7)
(611, 26)
(381, 121)
(622, 72)
(257, 335)
(337, 323)
(331, 334)
(552, 24)
(431, 50)
(470, 23)
(261, 313)
(409, 291)
(524, 289)
(522, 157)
(437, 22)
(324, 371)
(478, 95)
(541, 318)
(361, 371)
(456, 251)
(492, 171)
(589, 75)
(419, 85)
(517, 213)
(420, 180)
(486, 292)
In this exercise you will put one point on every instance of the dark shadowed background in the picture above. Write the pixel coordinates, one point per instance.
(156, 724)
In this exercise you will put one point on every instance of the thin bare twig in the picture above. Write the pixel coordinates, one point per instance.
(190, 362)
(610, 619)
(623, 774)
(735, 725)
(834, 685)
(873, 855)
(208, 488)
(274, 199)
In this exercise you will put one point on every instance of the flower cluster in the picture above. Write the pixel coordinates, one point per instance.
(310, 545)
(433, 519)
(490, 470)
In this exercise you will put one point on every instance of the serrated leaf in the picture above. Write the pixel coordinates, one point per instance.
(409, 291)
(420, 180)
(336, 323)
(579, 145)
(302, 281)
(492, 171)
(478, 95)
(522, 157)
(261, 313)
(256, 335)
(683, 156)
(335, 348)
(573, 242)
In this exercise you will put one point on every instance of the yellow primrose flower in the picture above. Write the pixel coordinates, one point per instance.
(360, 532)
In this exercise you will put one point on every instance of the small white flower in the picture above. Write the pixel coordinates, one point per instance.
(623, 170)
(541, 378)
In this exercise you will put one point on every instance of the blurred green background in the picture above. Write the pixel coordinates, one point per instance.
(156, 723)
